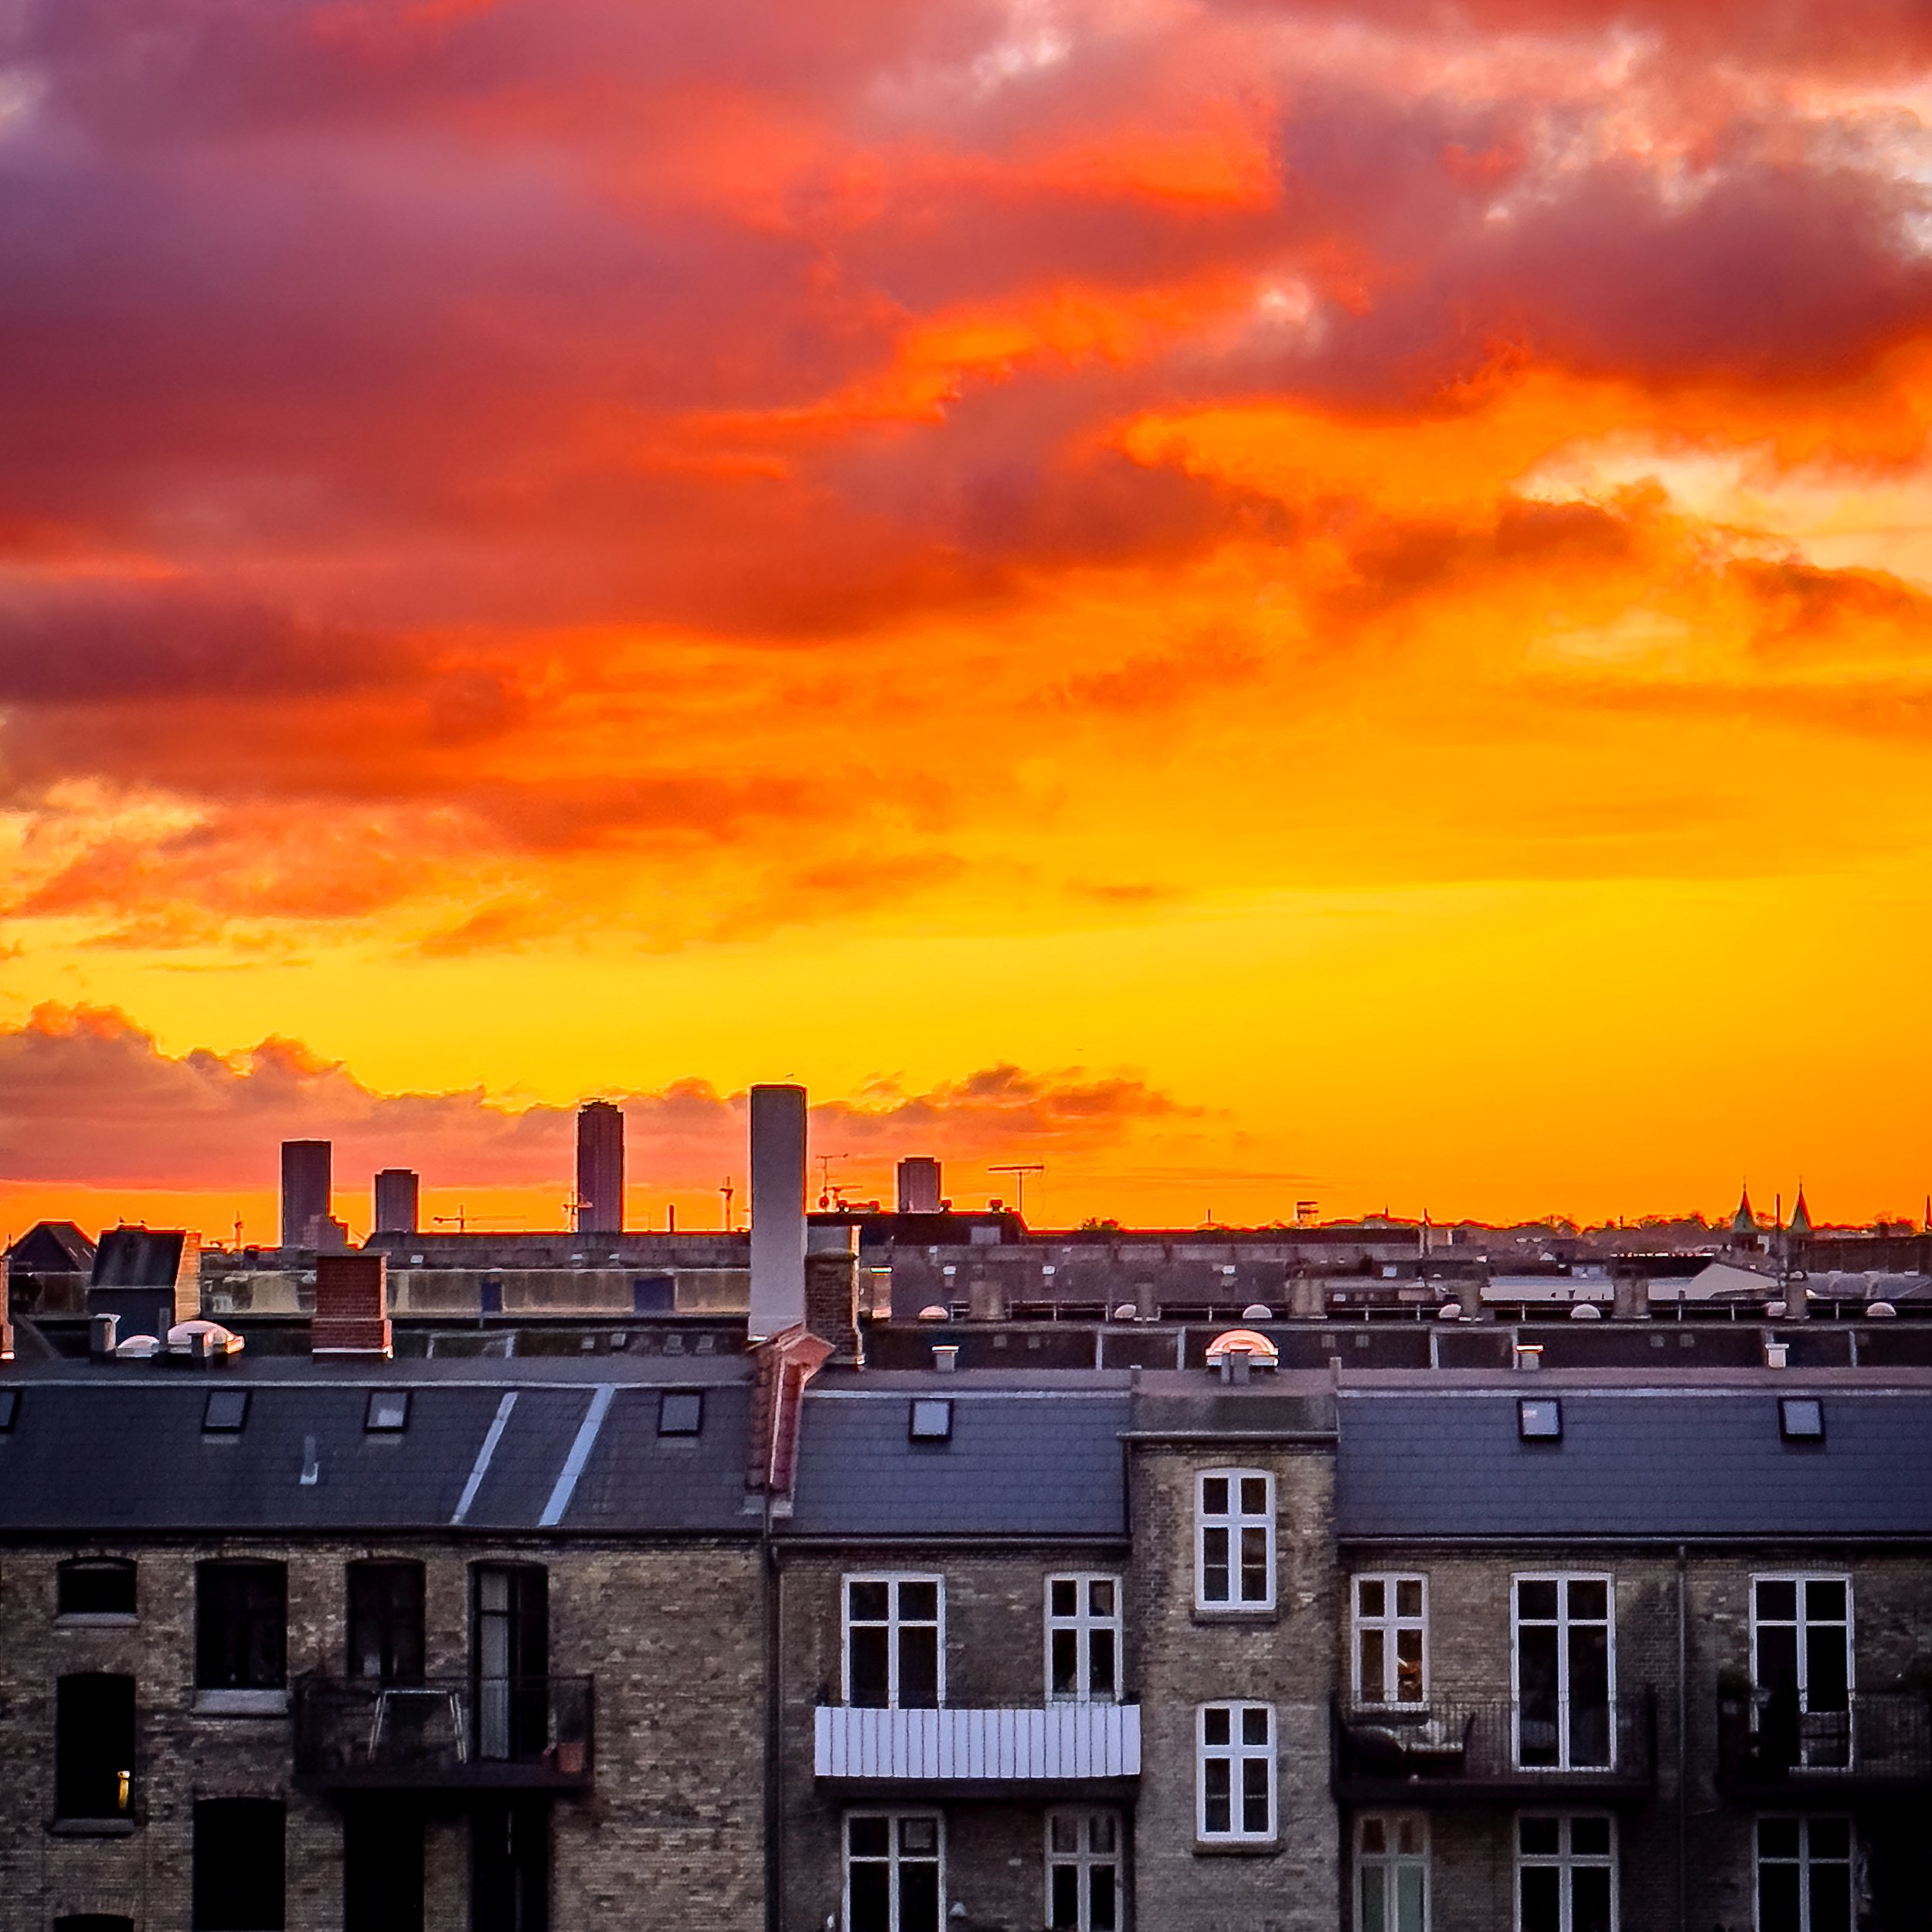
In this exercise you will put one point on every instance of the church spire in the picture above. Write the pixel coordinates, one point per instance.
(1744, 1221)
(1801, 1214)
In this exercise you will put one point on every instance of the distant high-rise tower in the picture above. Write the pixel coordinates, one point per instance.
(397, 1201)
(306, 1185)
(600, 1168)
(919, 1186)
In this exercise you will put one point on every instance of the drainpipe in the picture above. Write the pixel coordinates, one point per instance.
(774, 1759)
(1683, 1752)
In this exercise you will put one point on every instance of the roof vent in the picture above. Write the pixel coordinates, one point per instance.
(946, 1358)
(1526, 1354)
(1125, 1312)
(203, 1339)
(1776, 1353)
(1879, 1311)
(1586, 1311)
(1449, 1311)
(1240, 1351)
(1257, 1311)
(137, 1348)
(934, 1312)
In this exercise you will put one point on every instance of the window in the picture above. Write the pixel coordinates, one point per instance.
(1236, 1798)
(895, 1872)
(510, 1868)
(510, 1654)
(1234, 1540)
(94, 1746)
(1391, 1639)
(1801, 1665)
(383, 1868)
(241, 1621)
(1805, 1875)
(238, 1865)
(1539, 1419)
(1391, 1873)
(388, 1412)
(225, 1412)
(1565, 1875)
(95, 1587)
(680, 1413)
(1083, 1871)
(1565, 1671)
(1083, 1638)
(894, 1652)
(1801, 1419)
(932, 1421)
(385, 1622)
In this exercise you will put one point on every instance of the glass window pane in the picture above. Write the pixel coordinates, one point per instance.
(1831, 1898)
(867, 1601)
(1777, 1907)
(1372, 1663)
(1065, 1596)
(1590, 1837)
(919, 1837)
(865, 1684)
(1100, 1663)
(1100, 1596)
(1103, 1917)
(1409, 1666)
(1778, 1597)
(1065, 1897)
(1536, 1597)
(1540, 1837)
(1103, 1832)
(1411, 1884)
(1825, 1600)
(1067, 1660)
(1590, 1899)
(1374, 1895)
(919, 1897)
(1254, 1566)
(1254, 1496)
(1368, 1596)
(1214, 1558)
(1541, 1900)
(1254, 1725)
(1214, 1724)
(918, 1668)
(871, 1886)
(1409, 1596)
(1254, 1794)
(1375, 1838)
(919, 1600)
(1590, 1599)
(1831, 1838)
(1064, 1832)
(869, 1837)
(1216, 1789)
(1777, 1837)
(1409, 1836)
(1214, 1495)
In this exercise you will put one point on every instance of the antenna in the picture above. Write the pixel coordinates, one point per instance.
(828, 1196)
(1020, 1170)
(727, 1191)
(456, 1220)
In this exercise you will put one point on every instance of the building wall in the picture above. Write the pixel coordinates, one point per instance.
(672, 1831)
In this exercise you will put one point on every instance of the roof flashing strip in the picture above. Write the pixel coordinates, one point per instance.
(587, 1436)
(481, 1467)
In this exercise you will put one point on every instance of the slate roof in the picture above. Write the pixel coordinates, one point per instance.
(52, 1247)
(124, 1448)
(138, 1258)
(1636, 1462)
(1022, 1462)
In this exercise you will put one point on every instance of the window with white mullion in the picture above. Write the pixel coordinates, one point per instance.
(895, 1642)
(1083, 1638)
(895, 1872)
(1565, 1873)
(1391, 1652)
(1801, 1658)
(1391, 1873)
(1236, 1783)
(1083, 1872)
(1564, 1661)
(1234, 1539)
(1805, 1875)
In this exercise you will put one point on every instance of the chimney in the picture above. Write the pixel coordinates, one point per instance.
(1630, 1293)
(6, 1324)
(831, 1290)
(103, 1333)
(351, 1305)
(777, 1210)
(919, 1182)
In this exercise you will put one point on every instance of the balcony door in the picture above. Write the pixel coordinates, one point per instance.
(510, 1652)
(1565, 1665)
(1801, 1665)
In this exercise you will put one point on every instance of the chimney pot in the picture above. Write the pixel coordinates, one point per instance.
(102, 1332)
(946, 1357)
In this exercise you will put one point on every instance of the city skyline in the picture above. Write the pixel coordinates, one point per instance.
(1248, 602)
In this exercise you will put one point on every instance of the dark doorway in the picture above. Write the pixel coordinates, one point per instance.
(382, 1869)
(510, 1638)
(385, 1622)
(510, 1868)
(239, 1864)
(241, 1624)
(94, 1746)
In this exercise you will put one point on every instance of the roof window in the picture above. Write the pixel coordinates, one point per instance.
(1539, 1419)
(388, 1413)
(680, 1413)
(1801, 1419)
(9, 1407)
(932, 1420)
(226, 1412)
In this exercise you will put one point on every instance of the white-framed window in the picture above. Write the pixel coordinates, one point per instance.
(1392, 1872)
(1563, 1666)
(1083, 1638)
(1801, 1663)
(1565, 1872)
(1391, 1650)
(1805, 1875)
(895, 1641)
(895, 1872)
(1234, 1539)
(1236, 1782)
(1083, 1872)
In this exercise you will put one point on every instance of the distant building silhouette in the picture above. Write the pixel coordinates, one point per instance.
(398, 1194)
(308, 1183)
(919, 1186)
(600, 1168)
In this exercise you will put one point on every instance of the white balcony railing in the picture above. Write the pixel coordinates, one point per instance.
(1063, 1741)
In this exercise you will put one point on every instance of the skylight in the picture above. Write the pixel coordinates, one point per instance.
(226, 1412)
(680, 1413)
(1539, 1419)
(389, 1411)
(1800, 1418)
(932, 1420)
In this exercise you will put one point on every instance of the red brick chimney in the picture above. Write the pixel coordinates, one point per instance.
(351, 1305)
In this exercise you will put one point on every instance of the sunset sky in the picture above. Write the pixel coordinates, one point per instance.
(1254, 602)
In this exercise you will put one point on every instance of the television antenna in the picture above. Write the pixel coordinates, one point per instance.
(1020, 1170)
(829, 1195)
(727, 1191)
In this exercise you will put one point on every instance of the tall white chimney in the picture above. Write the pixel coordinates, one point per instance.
(777, 1209)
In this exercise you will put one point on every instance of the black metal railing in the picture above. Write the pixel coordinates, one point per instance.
(445, 1732)
(1768, 1740)
(1450, 1749)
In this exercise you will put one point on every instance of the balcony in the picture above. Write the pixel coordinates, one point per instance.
(982, 1751)
(449, 1733)
(1880, 1743)
(1446, 1753)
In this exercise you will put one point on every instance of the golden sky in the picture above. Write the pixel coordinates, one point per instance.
(1255, 602)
